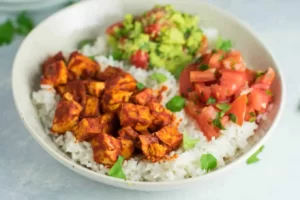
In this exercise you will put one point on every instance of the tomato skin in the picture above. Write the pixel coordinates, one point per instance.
(185, 85)
(267, 78)
(202, 76)
(140, 59)
(192, 109)
(234, 61)
(238, 108)
(258, 100)
(260, 86)
(110, 30)
(203, 91)
(221, 93)
(204, 121)
(153, 30)
(215, 60)
(233, 80)
(250, 76)
(250, 113)
(203, 46)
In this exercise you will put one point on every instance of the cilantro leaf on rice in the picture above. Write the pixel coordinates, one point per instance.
(189, 142)
(117, 170)
(159, 77)
(253, 159)
(140, 86)
(208, 162)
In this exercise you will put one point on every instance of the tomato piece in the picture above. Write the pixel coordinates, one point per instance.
(259, 100)
(204, 45)
(234, 61)
(216, 59)
(205, 58)
(203, 91)
(111, 29)
(267, 78)
(224, 120)
(153, 30)
(232, 79)
(260, 86)
(250, 114)
(193, 96)
(221, 93)
(250, 75)
(140, 59)
(238, 108)
(202, 76)
(192, 109)
(185, 85)
(204, 121)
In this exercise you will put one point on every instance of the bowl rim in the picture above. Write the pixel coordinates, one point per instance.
(110, 180)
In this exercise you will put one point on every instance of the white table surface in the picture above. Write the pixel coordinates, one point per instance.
(28, 172)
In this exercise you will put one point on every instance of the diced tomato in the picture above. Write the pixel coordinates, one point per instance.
(250, 75)
(153, 30)
(203, 91)
(260, 86)
(267, 78)
(234, 61)
(232, 79)
(202, 76)
(194, 97)
(185, 85)
(111, 29)
(140, 59)
(204, 45)
(192, 109)
(216, 59)
(204, 121)
(221, 93)
(250, 114)
(238, 108)
(224, 120)
(259, 100)
(205, 58)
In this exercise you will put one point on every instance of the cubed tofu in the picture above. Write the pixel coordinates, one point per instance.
(91, 107)
(52, 59)
(106, 149)
(109, 73)
(61, 89)
(55, 74)
(128, 133)
(136, 116)
(95, 88)
(78, 90)
(143, 97)
(170, 136)
(124, 81)
(82, 66)
(112, 99)
(87, 128)
(127, 148)
(151, 148)
(161, 116)
(109, 123)
(66, 116)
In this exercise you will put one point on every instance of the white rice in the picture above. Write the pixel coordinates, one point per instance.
(224, 148)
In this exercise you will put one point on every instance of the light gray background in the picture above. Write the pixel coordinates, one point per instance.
(28, 172)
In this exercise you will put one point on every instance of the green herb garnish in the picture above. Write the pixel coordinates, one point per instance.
(259, 74)
(224, 45)
(217, 122)
(253, 159)
(210, 101)
(208, 162)
(189, 142)
(117, 55)
(24, 24)
(140, 86)
(6, 32)
(178, 71)
(203, 67)
(117, 170)
(232, 117)
(159, 77)
(269, 92)
(224, 107)
(176, 104)
(252, 119)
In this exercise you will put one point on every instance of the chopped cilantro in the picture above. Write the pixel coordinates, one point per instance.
(217, 123)
(232, 117)
(189, 142)
(178, 71)
(224, 45)
(159, 77)
(269, 92)
(259, 74)
(253, 159)
(210, 101)
(6, 32)
(224, 107)
(208, 162)
(117, 170)
(203, 67)
(252, 119)
(140, 86)
(24, 24)
(176, 104)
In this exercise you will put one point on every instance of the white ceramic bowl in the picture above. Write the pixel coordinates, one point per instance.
(62, 30)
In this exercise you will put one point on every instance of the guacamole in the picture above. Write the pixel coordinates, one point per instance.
(161, 37)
